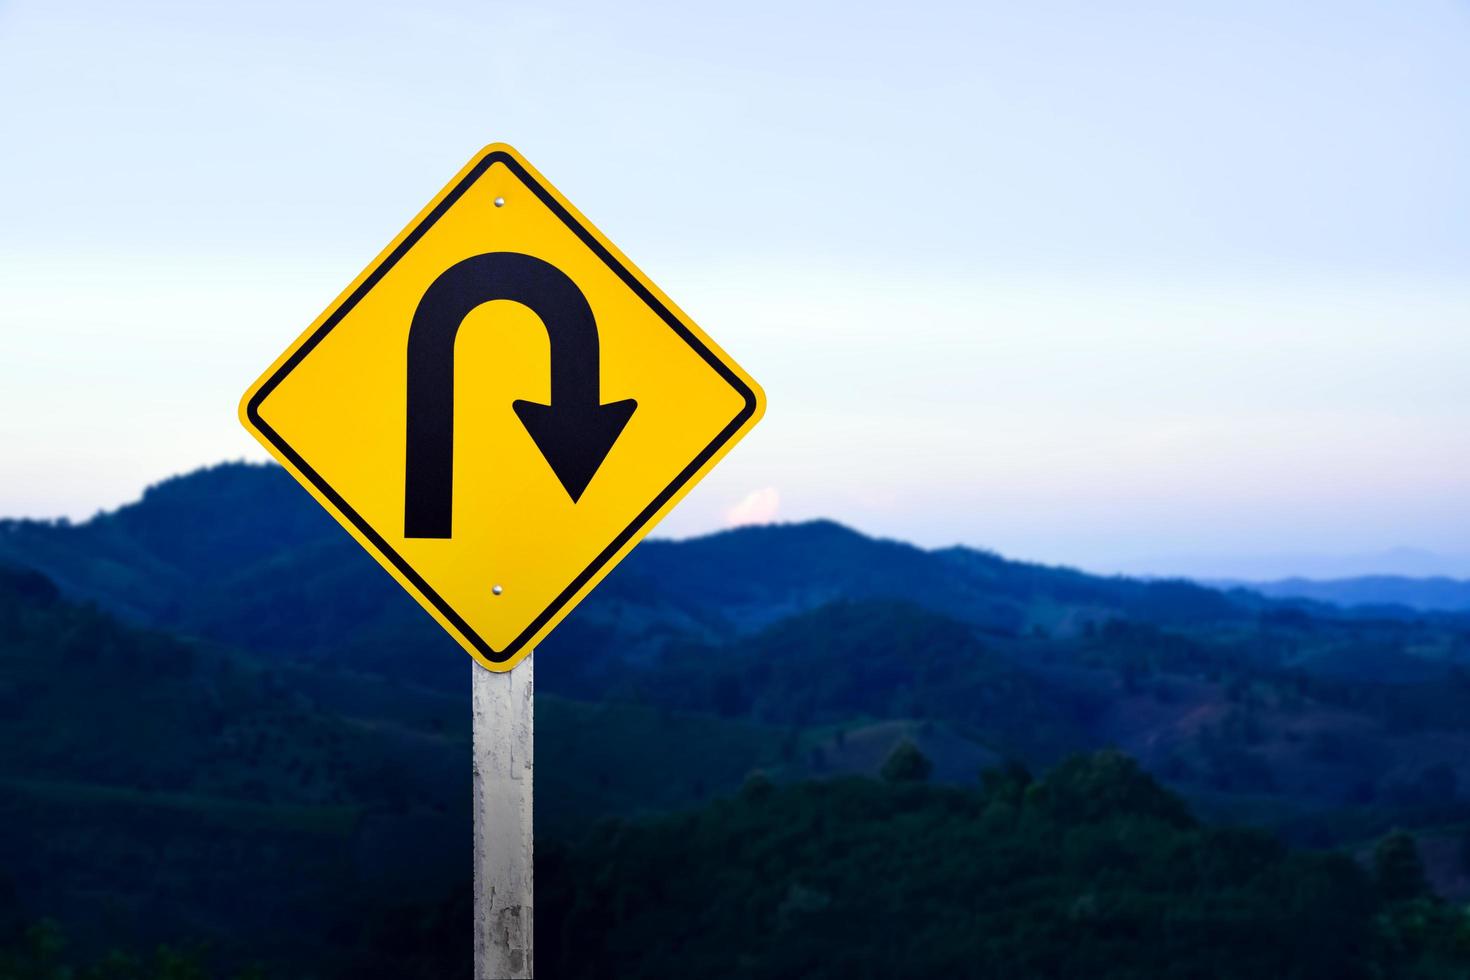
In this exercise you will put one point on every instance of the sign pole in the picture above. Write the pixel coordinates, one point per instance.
(504, 760)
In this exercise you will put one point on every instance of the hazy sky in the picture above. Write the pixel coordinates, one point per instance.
(1122, 285)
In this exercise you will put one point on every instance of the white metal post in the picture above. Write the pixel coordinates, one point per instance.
(504, 760)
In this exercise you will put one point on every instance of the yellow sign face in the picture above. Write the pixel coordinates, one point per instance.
(500, 407)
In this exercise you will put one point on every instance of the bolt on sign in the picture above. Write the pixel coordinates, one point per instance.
(500, 407)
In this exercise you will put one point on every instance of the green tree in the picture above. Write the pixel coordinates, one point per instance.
(1397, 868)
(906, 764)
(1103, 784)
(757, 785)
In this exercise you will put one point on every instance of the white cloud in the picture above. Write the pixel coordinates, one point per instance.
(757, 507)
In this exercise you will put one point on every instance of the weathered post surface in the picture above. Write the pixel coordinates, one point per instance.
(504, 759)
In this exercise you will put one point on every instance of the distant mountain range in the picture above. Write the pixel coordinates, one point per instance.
(249, 669)
(1401, 562)
(1385, 593)
(786, 627)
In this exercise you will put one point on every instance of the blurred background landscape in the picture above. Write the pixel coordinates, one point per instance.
(778, 750)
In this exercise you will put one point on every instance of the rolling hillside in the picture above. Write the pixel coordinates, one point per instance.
(1322, 723)
(266, 715)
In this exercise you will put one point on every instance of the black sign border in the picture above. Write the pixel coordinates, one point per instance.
(492, 655)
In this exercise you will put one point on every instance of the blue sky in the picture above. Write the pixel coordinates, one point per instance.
(1166, 287)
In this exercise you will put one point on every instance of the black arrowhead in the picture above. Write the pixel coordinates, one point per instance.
(575, 438)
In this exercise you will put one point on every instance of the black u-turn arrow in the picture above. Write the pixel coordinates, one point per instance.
(574, 433)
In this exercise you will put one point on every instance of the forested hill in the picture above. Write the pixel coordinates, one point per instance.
(238, 552)
(1321, 722)
(271, 752)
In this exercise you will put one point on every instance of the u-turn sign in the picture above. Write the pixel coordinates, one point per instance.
(500, 407)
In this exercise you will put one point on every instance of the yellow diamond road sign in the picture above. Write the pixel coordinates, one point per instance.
(500, 407)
